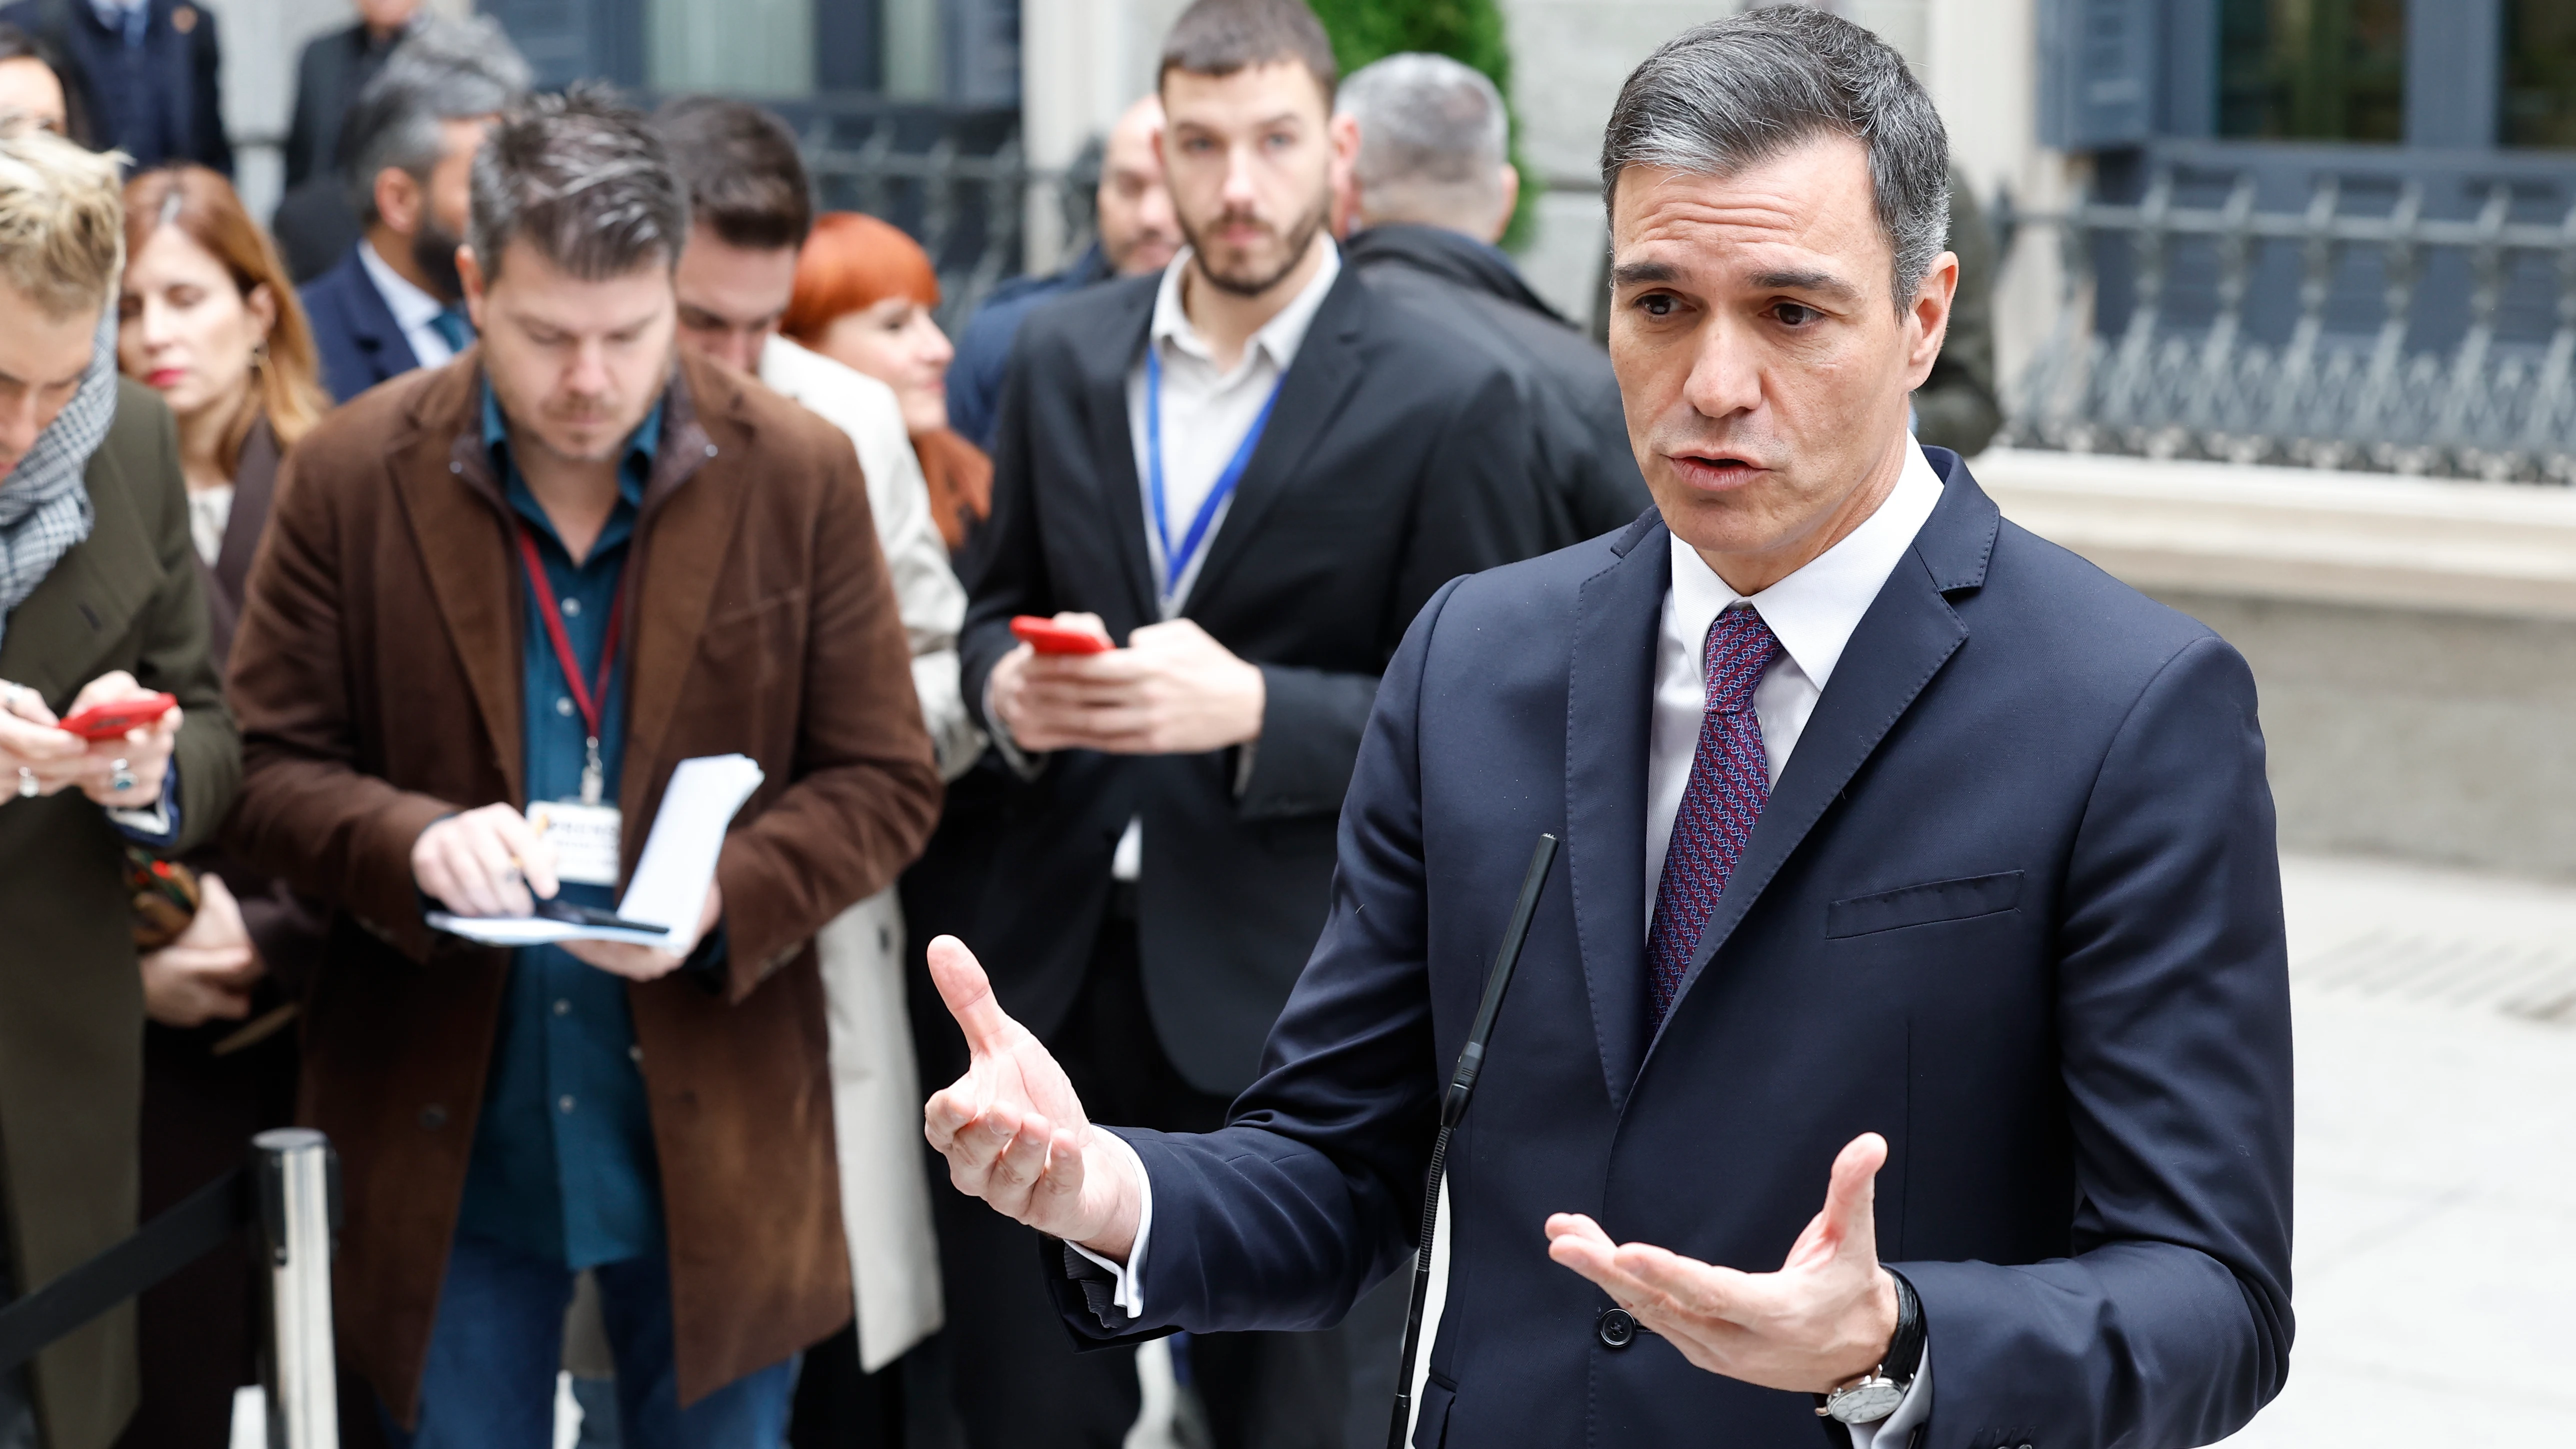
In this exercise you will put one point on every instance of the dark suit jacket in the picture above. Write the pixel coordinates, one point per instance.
(377, 674)
(1392, 464)
(2015, 904)
(1457, 282)
(355, 331)
(334, 67)
(176, 113)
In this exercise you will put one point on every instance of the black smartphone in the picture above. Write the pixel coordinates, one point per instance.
(570, 914)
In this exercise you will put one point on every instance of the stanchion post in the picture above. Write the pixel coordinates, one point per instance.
(299, 1209)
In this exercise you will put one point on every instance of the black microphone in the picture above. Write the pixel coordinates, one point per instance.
(1453, 1105)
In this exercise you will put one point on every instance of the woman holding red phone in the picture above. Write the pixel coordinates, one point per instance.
(99, 605)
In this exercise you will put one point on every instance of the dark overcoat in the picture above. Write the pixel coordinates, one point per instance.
(71, 1000)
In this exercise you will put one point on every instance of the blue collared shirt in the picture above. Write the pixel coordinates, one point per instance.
(563, 1163)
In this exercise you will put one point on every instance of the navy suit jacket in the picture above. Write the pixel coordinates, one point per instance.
(2015, 903)
(354, 330)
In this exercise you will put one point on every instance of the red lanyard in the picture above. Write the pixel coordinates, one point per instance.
(588, 699)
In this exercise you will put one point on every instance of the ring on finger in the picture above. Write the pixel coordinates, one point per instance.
(120, 777)
(27, 786)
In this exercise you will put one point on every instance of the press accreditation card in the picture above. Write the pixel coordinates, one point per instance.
(584, 838)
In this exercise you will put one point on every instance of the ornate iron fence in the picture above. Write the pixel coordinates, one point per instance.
(2172, 342)
(956, 180)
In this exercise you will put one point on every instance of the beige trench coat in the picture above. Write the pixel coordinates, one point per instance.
(876, 1086)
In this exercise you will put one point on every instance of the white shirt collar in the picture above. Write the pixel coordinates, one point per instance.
(1813, 612)
(1278, 338)
(412, 307)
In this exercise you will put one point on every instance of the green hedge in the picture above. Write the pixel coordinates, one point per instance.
(1466, 30)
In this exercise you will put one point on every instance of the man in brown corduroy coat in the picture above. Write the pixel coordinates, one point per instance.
(556, 568)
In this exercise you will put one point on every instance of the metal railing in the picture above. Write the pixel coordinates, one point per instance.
(959, 188)
(2188, 376)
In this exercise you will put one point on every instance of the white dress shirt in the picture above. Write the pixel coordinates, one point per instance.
(1207, 411)
(413, 308)
(1813, 613)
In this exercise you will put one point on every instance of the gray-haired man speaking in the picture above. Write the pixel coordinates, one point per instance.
(1431, 192)
(1912, 866)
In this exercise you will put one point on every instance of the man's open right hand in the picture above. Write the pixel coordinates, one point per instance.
(484, 863)
(1014, 1132)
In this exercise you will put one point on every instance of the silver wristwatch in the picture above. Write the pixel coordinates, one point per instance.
(1876, 1394)
(1872, 1398)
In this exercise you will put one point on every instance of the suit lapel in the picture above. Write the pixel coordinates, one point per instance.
(56, 637)
(1113, 442)
(375, 329)
(1322, 376)
(443, 476)
(1909, 632)
(682, 543)
(1609, 711)
(254, 489)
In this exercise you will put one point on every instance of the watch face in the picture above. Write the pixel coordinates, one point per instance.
(1865, 1402)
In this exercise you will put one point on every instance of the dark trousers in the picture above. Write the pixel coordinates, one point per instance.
(1019, 1384)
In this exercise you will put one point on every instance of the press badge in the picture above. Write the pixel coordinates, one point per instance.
(584, 838)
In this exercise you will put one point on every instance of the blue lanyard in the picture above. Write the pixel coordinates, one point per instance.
(1176, 562)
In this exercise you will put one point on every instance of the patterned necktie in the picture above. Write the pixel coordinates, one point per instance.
(1730, 782)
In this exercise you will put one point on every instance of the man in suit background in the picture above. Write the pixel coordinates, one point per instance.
(1134, 234)
(148, 73)
(1249, 472)
(314, 223)
(1911, 862)
(1431, 193)
(331, 74)
(395, 301)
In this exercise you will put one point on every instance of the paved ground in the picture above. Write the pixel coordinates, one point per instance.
(2436, 1258)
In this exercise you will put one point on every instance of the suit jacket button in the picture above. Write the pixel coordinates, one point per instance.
(432, 1117)
(1618, 1328)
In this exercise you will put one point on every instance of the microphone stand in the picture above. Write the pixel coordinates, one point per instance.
(1453, 1105)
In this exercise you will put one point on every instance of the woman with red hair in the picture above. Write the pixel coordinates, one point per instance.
(864, 294)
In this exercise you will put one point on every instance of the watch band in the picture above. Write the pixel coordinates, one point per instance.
(1905, 1347)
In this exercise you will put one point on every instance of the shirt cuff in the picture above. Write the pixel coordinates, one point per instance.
(1022, 764)
(158, 826)
(1127, 1283)
(1897, 1429)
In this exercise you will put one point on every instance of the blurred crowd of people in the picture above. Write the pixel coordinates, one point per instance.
(586, 447)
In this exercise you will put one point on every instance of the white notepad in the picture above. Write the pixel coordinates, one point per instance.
(669, 887)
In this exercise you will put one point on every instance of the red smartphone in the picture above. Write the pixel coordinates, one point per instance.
(1049, 637)
(112, 720)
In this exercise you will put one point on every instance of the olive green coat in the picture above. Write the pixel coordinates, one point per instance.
(71, 1004)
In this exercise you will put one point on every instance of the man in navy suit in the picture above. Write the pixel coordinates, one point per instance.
(395, 301)
(148, 74)
(1909, 859)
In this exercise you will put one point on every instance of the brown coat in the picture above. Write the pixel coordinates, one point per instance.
(71, 1001)
(377, 672)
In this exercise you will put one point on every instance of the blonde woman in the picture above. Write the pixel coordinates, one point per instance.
(99, 603)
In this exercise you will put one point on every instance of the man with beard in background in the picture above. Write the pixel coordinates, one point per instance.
(395, 302)
(1247, 472)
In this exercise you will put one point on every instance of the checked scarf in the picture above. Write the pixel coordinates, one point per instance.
(45, 511)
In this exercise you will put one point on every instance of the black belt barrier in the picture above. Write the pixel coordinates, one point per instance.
(211, 1216)
(290, 1189)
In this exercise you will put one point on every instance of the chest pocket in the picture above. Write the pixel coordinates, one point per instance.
(1924, 905)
